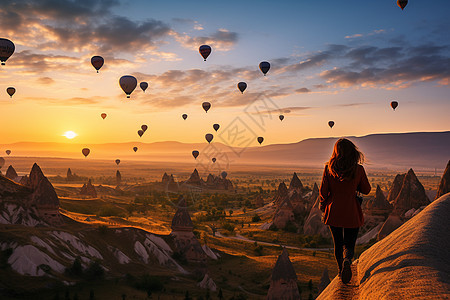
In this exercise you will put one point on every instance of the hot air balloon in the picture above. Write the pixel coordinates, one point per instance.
(402, 3)
(216, 127)
(135, 149)
(195, 153)
(184, 116)
(144, 128)
(224, 174)
(264, 66)
(260, 140)
(8, 152)
(242, 86)
(143, 85)
(103, 115)
(206, 106)
(140, 132)
(394, 104)
(213, 159)
(2, 162)
(117, 161)
(97, 62)
(281, 117)
(205, 51)
(6, 50)
(128, 83)
(11, 91)
(85, 152)
(331, 124)
(209, 137)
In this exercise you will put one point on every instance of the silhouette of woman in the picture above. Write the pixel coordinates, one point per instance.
(342, 178)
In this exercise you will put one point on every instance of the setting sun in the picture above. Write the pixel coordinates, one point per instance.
(70, 134)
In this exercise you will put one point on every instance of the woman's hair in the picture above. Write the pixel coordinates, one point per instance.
(345, 159)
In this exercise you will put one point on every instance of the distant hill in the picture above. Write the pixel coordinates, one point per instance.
(395, 150)
(424, 150)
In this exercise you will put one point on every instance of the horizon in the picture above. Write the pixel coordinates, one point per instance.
(326, 70)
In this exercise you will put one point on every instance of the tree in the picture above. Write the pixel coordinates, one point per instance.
(230, 212)
(220, 294)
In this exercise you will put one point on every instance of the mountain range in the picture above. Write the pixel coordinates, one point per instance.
(424, 150)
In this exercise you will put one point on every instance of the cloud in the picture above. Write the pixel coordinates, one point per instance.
(357, 35)
(68, 101)
(221, 40)
(45, 80)
(78, 26)
(393, 67)
(286, 110)
(302, 90)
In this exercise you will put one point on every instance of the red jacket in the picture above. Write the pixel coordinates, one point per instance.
(339, 198)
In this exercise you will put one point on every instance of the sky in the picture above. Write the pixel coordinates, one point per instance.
(330, 60)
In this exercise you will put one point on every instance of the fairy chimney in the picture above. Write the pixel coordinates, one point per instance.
(11, 173)
(185, 241)
(444, 184)
(118, 178)
(324, 281)
(395, 187)
(296, 184)
(88, 190)
(283, 284)
(282, 193)
(44, 196)
(194, 179)
(378, 205)
(411, 194)
(284, 214)
(182, 220)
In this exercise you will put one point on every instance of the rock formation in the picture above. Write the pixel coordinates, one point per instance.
(118, 178)
(411, 194)
(212, 182)
(283, 214)
(11, 173)
(444, 184)
(169, 182)
(185, 241)
(281, 194)
(283, 284)
(296, 184)
(69, 174)
(207, 283)
(324, 281)
(88, 190)
(194, 179)
(313, 223)
(395, 187)
(392, 223)
(411, 263)
(33, 202)
(379, 204)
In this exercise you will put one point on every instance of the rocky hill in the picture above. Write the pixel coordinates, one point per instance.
(410, 263)
(33, 202)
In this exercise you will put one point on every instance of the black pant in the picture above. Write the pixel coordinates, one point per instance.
(344, 238)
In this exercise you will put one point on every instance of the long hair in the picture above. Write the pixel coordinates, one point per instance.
(345, 159)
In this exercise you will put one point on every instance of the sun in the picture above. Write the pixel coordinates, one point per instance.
(70, 134)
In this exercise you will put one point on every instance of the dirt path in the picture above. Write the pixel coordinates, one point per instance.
(341, 291)
(242, 238)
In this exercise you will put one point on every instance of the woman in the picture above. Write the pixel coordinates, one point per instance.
(342, 178)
